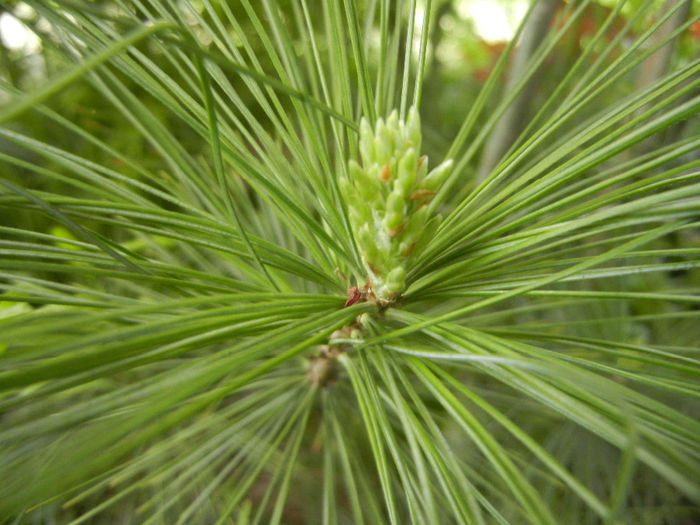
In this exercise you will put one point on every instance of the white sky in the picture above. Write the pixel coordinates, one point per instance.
(494, 21)
(15, 35)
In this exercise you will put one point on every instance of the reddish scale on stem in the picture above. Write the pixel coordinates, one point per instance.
(354, 296)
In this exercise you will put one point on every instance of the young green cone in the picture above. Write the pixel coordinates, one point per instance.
(386, 198)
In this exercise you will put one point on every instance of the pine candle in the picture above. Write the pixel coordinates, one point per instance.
(386, 199)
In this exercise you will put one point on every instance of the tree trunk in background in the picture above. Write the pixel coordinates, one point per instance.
(657, 65)
(511, 123)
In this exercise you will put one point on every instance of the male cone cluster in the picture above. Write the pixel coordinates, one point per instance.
(386, 198)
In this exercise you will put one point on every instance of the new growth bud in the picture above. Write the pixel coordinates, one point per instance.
(386, 197)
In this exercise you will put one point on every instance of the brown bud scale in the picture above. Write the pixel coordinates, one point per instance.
(419, 194)
(396, 231)
(386, 173)
(408, 251)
